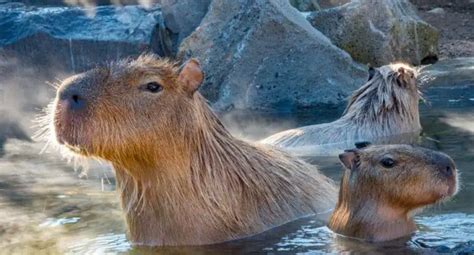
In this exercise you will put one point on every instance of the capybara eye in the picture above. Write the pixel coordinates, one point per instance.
(387, 162)
(153, 87)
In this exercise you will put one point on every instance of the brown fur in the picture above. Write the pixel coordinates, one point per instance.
(383, 110)
(182, 177)
(376, 203)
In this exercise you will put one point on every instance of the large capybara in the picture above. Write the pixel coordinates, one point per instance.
(383, 110)
(182, 177)
(383, 186)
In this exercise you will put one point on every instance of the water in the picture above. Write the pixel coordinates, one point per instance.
(46, 207)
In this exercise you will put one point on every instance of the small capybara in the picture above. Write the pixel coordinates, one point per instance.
(383, 186)
(384, 110)
(182, 177)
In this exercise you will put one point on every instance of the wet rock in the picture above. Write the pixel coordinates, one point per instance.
(67, 39)
(449, 83)
(438, 10)
(183, 16)
(378, 32)
(263, 55)
(305, 5)
(315, 5)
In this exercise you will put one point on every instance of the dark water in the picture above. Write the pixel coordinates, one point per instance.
(46, 207)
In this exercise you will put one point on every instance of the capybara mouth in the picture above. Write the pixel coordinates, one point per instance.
(69, 129)
(448, 188)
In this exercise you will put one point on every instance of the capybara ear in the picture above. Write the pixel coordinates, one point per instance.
(349, 158)
(371, 73)
(191, 76)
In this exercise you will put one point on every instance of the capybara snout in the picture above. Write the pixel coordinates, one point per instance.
(443, 165)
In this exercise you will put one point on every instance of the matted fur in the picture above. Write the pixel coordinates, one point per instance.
(182, 177)
(383, 110)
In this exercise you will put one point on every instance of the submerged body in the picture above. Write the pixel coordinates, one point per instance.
(382, 187)
(383, 110)
(182, 177)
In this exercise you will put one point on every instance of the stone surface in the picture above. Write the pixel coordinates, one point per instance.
(66, 39)
(379, 32)
(305, 5)
(437, 11)
(263, 55)
(315, 5)
(183, 16)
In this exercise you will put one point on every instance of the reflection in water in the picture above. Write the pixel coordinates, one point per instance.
(46, 207)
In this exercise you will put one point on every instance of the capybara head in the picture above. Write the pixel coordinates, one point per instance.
(402, 176)
(126, 107)
(390, 89)
(383, 185)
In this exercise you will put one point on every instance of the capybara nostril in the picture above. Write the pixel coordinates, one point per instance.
(76, 102)
(445, 165)
(447, 171)
(75, 98)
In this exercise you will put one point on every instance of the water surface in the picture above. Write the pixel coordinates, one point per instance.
(45, 206)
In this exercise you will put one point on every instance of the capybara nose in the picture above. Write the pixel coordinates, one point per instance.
(76, 102)
(73, 99)
(447, 171)
(446, 165)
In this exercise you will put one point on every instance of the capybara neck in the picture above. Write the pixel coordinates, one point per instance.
(369, 219)
(382, 186)
(183, 178)
(211, 187)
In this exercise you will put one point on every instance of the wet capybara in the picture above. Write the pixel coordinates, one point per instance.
(182, 177)
(383, 110)
(383, 186)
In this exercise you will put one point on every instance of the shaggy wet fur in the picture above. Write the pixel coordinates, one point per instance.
(182, 177)
(377, 201)
(384, 109)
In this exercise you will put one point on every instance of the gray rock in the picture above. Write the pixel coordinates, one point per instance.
(305, 5)
(66, 39)
(379, 32)
(183, 16)
(316, 5)
(438, 10)
(263, 55)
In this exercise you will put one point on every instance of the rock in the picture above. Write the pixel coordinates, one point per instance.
(438, 10)
(183, 16)
(66, 39)
(379, 32)
(448, 83)
(315, 5)
(306, 5)
(263, 55)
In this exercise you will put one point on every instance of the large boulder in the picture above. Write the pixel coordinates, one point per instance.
(183, 16)
(379, 32)
(43, 44)
(67, 39)
(263, 55)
